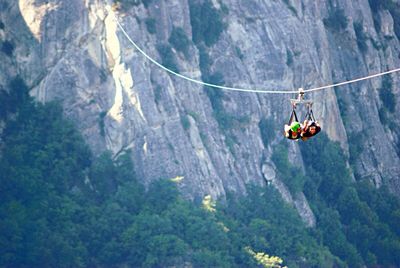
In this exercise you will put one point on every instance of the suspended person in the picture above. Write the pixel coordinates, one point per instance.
(311, 126)
(293, 129)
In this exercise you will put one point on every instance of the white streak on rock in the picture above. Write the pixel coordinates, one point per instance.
(122, 75)
(33, 15)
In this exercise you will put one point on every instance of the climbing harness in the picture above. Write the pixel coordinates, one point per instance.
(293, 116)
(309, 120)
(309, 115)
(293, 128)
(300, 101)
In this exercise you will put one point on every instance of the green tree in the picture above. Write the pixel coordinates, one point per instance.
(292, 176)
(206, 22)
(179, 40)
(167, 57)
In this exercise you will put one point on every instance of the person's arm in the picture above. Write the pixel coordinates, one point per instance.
(305, 126)
(285, 131)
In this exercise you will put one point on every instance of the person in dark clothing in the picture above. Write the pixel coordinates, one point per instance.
(310, 126)
(293, 129)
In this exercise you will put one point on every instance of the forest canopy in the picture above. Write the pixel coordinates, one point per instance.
(61, 206)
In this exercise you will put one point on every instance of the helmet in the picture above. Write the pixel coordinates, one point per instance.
(295, 126)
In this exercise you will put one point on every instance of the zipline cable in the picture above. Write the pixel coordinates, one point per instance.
(198, 81)
(243, 89)
(353, 81)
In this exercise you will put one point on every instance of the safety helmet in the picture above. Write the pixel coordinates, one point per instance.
(295, 126)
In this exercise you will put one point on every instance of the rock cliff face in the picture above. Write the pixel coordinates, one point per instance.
(74, 52)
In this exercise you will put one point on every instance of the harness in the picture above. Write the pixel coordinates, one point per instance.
(293, 115)
(309, 115)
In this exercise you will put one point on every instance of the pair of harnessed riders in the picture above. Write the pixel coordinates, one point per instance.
(294, 130)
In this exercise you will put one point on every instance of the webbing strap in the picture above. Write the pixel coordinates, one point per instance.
(312, 116)
(293, 115)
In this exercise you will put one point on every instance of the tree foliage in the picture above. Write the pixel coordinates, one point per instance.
(362, 38)
(62, 207)
(386, 95)
(267, 130)
(336, 20)
(179, 40)
(206, 22)
(390, 5)
(290, 175)
(7, 47)
(167, 57)
(353, 225)
(126, 4)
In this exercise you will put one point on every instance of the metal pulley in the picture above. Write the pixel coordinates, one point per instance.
(300, 99)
